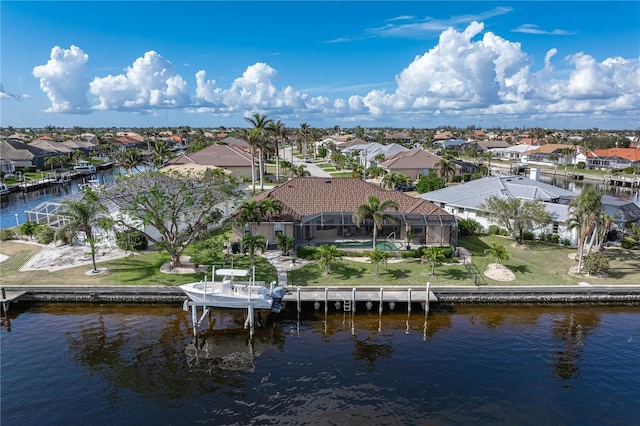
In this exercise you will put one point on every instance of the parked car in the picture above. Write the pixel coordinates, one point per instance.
(405, 188)
(308, 160)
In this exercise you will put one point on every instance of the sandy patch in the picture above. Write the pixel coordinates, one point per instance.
(499, 272)
(186, 267)
(52, 258)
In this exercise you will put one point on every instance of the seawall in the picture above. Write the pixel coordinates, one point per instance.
(621, 295)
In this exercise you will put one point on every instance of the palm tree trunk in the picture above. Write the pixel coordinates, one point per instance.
(375, 235)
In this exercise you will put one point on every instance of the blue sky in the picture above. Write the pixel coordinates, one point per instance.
(368, 63)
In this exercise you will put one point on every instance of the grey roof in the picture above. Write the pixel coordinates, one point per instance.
(472, 194)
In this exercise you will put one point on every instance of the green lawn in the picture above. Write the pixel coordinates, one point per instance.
(534, 263)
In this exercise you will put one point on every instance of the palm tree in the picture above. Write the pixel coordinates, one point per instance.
(82, 216)
(129, 159)
(446, 168)
(498, 252)
(585, 209)
(259, 123)
(270, 207)
(326, 255)
(434, 256)
(393, 179)
(374, 211)
(252, 243)
(304, 131)
(278, 129)
(250, 212)
(159, 153)
(378, 257)
(299, 171)
(285, 243)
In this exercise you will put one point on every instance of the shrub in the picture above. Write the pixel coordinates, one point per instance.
(496, 230)
(628, 243)
(553, 238)
(306, 252)
(457, 178)
(468, 227)
(7, 234)
(582, 165)
(596, 263)
(45, 234)
(528, 236)
(466, 177)
(29, 229)
(131, 240)
(566, 242)
(65, 235)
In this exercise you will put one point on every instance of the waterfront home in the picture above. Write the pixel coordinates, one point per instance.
(223, 156)
(319, 210)
(613, 158)
(464, 200)
(413, 163)
(21, 154)
(550, 154)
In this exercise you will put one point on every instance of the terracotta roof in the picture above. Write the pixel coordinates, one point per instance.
(304, 196)
(411, 159)
(631, 154)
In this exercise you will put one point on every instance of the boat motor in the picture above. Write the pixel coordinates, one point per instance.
(277, 294)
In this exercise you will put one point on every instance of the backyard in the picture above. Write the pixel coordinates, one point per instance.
(533, 263)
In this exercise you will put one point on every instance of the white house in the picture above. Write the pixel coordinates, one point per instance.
(464, 200)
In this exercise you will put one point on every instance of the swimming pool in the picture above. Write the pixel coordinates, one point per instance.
(363, 245)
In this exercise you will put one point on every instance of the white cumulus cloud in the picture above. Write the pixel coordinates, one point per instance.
(150, 82)
(62, 79)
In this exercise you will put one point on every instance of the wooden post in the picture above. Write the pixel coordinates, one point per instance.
(409, 301)
(4, 293)
(381, 298)
(298, 297)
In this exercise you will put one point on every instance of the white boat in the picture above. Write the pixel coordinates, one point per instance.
(91, 183)
(233, 293)
(4, 189)
(84, 167)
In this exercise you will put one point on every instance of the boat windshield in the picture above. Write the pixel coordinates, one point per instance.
(232, 272)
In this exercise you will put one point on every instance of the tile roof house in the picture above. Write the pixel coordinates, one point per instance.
(413, 163)
(320, 209)
(614, 158)
(22, 154)
(464, 200)
(228, 157)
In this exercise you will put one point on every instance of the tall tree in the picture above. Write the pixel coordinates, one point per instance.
(250, 213)
(259, 123)
(446, 169)
(516, 215)
(84, 215)
(376, 212)
(278, 130)
(129, 159)
(304, 132)
(175, 207)
(586, 210)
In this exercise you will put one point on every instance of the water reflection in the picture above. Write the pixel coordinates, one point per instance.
(571, 330)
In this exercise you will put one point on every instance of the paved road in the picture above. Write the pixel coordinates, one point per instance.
(311, 167)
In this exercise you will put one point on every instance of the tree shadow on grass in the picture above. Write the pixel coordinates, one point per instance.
(397, 273)
(518, 269)
(455, 274)
(348, 272)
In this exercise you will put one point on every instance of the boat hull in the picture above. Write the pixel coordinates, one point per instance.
(224, 295)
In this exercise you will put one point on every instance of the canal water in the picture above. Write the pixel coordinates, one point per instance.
(13, 206)
(468, 365)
